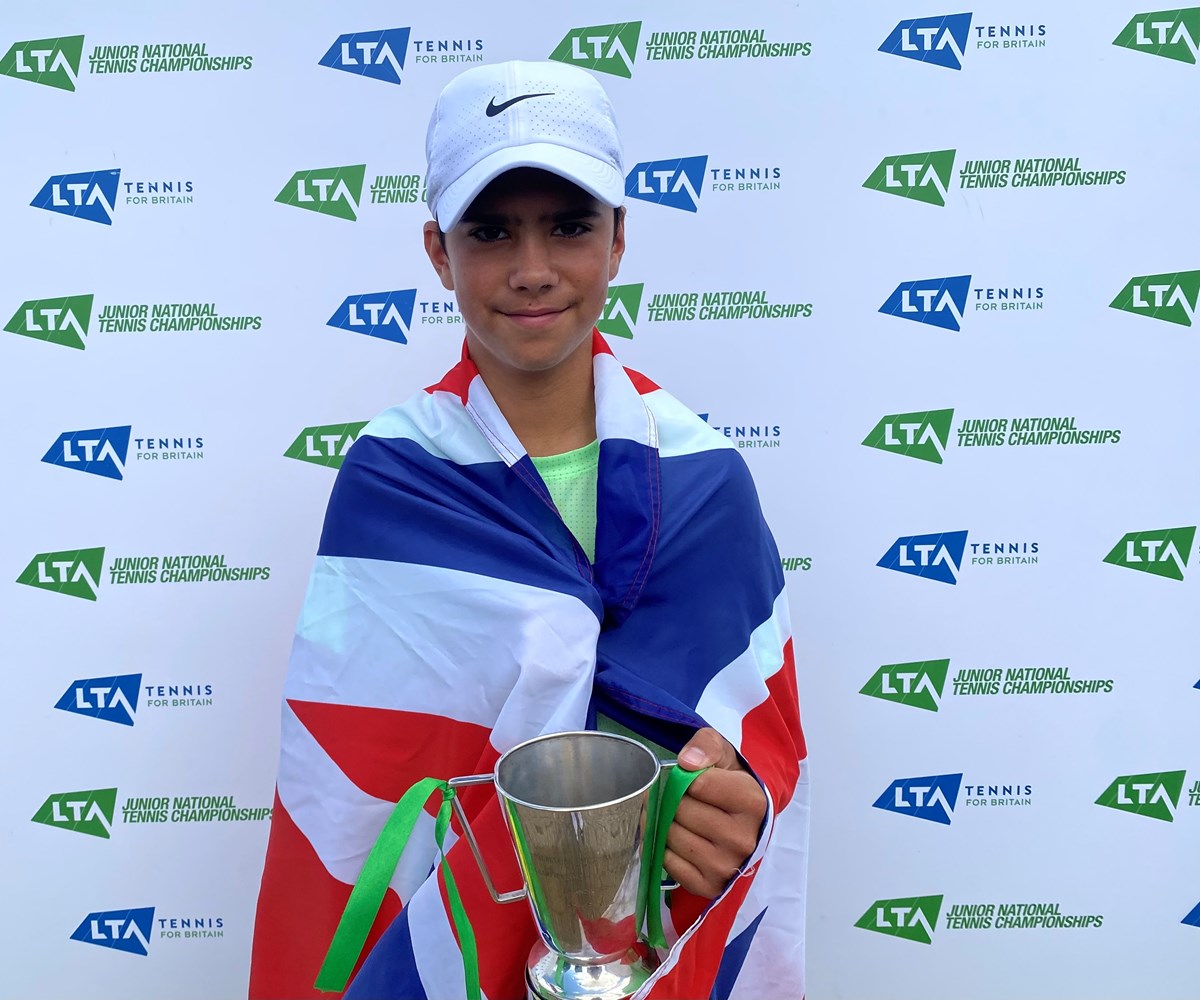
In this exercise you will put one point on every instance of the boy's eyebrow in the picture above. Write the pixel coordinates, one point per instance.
(500, 219)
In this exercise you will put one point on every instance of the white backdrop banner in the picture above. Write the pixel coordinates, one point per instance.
(936, 275)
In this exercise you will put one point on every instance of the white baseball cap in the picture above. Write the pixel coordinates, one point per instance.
(495, 118)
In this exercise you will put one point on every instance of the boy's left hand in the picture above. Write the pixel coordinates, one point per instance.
(716, 828)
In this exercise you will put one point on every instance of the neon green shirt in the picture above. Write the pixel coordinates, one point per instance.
(571, 480)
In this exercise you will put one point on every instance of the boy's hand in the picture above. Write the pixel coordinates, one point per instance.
(716, 827)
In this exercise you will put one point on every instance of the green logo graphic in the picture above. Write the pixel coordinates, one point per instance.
(56, 321)
(916, 684)
(605, 48)
(75, 572)
(52, 62)
(1153, 795)
(913, 918)
(326, 444)
(334, 191)
(1170, 297)
(920, 176)
(1172, 34)
(89, 812)
(1163, 552)
(920, 435)
(621, 310)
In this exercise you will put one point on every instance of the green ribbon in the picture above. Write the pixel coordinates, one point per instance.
(673, 791)
(367, 896)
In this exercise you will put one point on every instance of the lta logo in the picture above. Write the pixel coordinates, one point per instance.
(387, 315)
(89, 196)
(605, 48)
(918, 684)
(1172, 34)
(378, 55)
(920, 176)
(938, 302)
(1155, 795)
(1172, 297)
(913, 918)
(939, 41)
(52, 62)
(101, 451)
(621, 308)
(923, 434)
(325, 444)
(932, 797)
(122, 930)
(109, 699)
(62, 321)
(1163, 552)
(335, 191)
(89, 812)
(932, 557)
(74, 572)
(674, 183)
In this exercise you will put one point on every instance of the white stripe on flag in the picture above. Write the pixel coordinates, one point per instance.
(513, 658)
(340, 820)
(439, 424)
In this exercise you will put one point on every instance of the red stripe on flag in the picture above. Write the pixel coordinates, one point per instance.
(385, 751)
(458, 379)
(700, 958)
(299, 906)
(640, 382)
(772, 738)
(504, 932)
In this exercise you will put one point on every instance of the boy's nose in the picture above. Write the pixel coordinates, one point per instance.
(532, 266)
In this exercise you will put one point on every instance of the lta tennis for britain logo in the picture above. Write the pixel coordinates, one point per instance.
(944, 40)
(89, 196)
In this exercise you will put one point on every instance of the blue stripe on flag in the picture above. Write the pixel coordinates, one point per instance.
(731, 961)
(393, 500)
(390, 971)
(689, 624)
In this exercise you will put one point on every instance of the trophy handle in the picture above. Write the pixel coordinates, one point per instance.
(665, 765)
(480, 779)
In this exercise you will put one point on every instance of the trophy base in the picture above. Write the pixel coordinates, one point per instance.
(551, 976)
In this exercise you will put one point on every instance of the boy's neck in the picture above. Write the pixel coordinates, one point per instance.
(550, 412)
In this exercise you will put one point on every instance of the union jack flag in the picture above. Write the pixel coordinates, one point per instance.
(451, 615)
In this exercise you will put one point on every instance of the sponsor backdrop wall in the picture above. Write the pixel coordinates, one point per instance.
(937, 276)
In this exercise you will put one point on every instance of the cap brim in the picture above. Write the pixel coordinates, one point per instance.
(594, 176)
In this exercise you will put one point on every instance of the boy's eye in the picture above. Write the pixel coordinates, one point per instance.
(573, 228)
(487, 234)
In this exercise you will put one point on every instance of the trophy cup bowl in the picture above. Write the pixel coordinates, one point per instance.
(580, 808)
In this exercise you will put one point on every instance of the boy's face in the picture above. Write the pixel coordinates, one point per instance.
(530, 263)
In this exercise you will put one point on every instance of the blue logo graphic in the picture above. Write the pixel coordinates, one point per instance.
(674, 183)
(937, 40)
(87, 196)
(376, 54)
(1193, 918)
(934, 557)
(100, 451)
(931, 797)
(377, 314)
(936, 301)
(124, 930)
(110, 699)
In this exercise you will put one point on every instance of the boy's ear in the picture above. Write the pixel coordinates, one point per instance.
(618, 246)
(435, 248)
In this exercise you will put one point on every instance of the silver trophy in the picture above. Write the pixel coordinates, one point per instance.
(581, 809)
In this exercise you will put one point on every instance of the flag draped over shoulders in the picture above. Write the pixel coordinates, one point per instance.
(451, 614)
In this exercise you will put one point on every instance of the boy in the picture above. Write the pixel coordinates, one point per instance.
(541, 542)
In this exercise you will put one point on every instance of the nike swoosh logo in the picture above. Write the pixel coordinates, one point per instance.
(494, 109)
